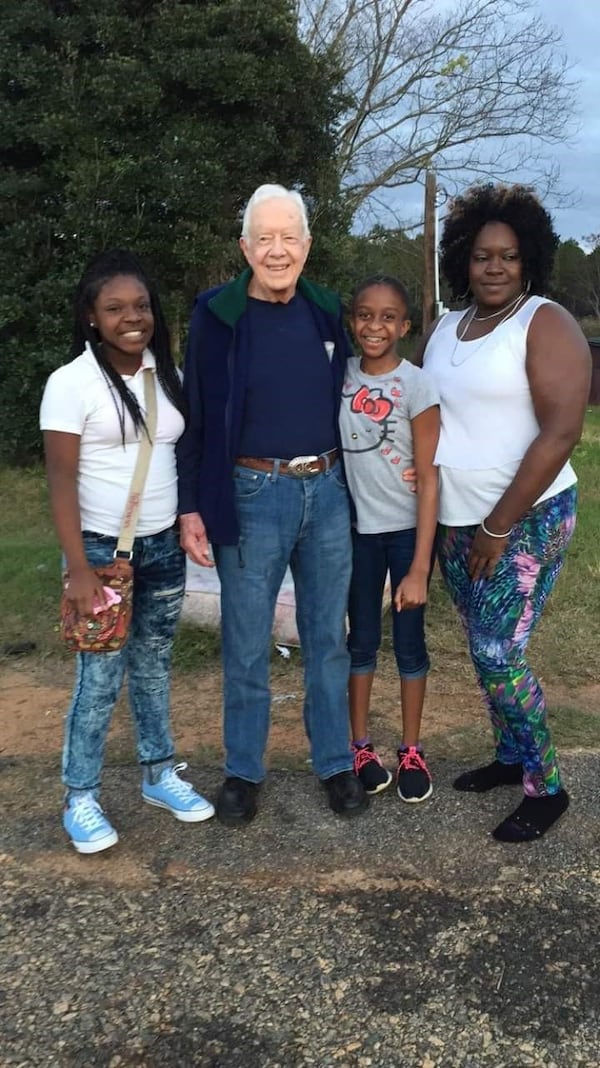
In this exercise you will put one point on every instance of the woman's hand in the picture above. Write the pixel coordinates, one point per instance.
(409, 475)
(85, 591)
(412, 591)
(485, 554)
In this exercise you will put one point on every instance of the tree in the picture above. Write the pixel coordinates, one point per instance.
(576, 278)
(383, 251)
(592, 275)
(145, 124)
(479, 88)
(569, 277)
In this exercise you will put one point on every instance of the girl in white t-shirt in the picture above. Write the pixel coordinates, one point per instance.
(92, 416)
(389, 420)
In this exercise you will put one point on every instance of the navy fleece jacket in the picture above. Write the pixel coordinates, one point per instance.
(214, 384)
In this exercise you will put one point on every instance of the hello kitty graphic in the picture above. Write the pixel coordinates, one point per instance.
(375, 430)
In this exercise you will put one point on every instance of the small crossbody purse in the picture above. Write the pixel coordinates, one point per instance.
(107, 629)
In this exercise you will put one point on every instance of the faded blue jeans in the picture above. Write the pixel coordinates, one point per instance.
(159, 583)
(303, 523)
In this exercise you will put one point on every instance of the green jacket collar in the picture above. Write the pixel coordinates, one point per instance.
(230, 302)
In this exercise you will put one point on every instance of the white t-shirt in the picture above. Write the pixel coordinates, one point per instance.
(487, 416)
(375, 428)
(78, 399)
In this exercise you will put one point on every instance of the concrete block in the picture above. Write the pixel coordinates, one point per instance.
(202, 603)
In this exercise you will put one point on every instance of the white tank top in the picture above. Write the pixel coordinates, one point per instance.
(487, 414)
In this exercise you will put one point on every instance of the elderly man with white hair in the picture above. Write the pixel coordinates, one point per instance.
(260, 479)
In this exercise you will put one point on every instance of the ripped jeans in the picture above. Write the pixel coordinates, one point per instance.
(499, 615)
(159, 583)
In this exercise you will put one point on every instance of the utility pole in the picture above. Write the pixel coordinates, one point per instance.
(430, 284)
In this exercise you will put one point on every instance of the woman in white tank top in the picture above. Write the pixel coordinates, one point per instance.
(513, 374)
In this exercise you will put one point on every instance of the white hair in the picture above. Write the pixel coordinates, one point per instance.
(274, 192)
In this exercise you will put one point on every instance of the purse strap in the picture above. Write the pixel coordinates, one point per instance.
(140, 471)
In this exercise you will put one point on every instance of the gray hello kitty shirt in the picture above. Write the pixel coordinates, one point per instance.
(375, 428)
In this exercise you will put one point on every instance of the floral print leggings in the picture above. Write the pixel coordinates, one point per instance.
(499, 615)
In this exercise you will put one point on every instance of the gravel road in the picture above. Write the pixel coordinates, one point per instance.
(408, 938)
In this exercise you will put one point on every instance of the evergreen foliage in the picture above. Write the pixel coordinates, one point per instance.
(142, 124)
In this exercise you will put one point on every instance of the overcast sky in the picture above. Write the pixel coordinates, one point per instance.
(579, 160)
(579, 22)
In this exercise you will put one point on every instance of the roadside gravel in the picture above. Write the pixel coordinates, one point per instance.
(405, 939)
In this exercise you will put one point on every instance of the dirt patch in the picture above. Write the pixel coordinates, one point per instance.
(34, 699)
(32, 711)
(122, 870)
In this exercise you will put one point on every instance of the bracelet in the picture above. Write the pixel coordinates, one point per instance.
(491, 534)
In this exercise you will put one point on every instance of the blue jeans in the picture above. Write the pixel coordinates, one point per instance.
(159, 581)
(373, 556)
(303, 523)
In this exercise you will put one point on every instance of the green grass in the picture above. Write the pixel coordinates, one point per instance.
(29, 562)
(566, 643)
(196, 648)
(564, 649)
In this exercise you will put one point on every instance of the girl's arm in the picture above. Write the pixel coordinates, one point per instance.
(412, 591)
(558, 367)
(62, 467)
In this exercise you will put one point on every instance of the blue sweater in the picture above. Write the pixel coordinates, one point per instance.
(214, 384)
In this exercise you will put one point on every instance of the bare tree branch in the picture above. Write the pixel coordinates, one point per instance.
(482, 87)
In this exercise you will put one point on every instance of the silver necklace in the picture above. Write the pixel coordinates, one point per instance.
(473, 348)
(484, 318)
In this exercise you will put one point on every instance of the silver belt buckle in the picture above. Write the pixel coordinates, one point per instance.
(302, 466)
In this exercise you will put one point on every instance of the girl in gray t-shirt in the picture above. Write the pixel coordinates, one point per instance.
(389, 421)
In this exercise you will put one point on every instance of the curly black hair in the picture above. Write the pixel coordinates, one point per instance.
(515, 205)
(100, 270)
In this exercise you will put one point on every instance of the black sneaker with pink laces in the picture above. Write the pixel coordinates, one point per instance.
(368, 767)
(413, 781)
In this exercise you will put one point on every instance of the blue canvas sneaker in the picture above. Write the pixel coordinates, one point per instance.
(178, 796)
(86, 824)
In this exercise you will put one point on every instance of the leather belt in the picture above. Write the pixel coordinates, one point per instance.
(298, 467)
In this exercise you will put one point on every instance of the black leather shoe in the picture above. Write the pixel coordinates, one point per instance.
(236, 802)
(346, 794)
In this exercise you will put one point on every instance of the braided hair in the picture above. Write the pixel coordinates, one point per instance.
(381, 279)
(101, 269)
(516, 206)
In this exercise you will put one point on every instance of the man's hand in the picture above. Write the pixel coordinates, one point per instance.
(193, 539)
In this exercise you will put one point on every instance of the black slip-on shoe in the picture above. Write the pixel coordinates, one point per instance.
(479, 780)
(237, 801)
(533, 817)
(346, 794)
